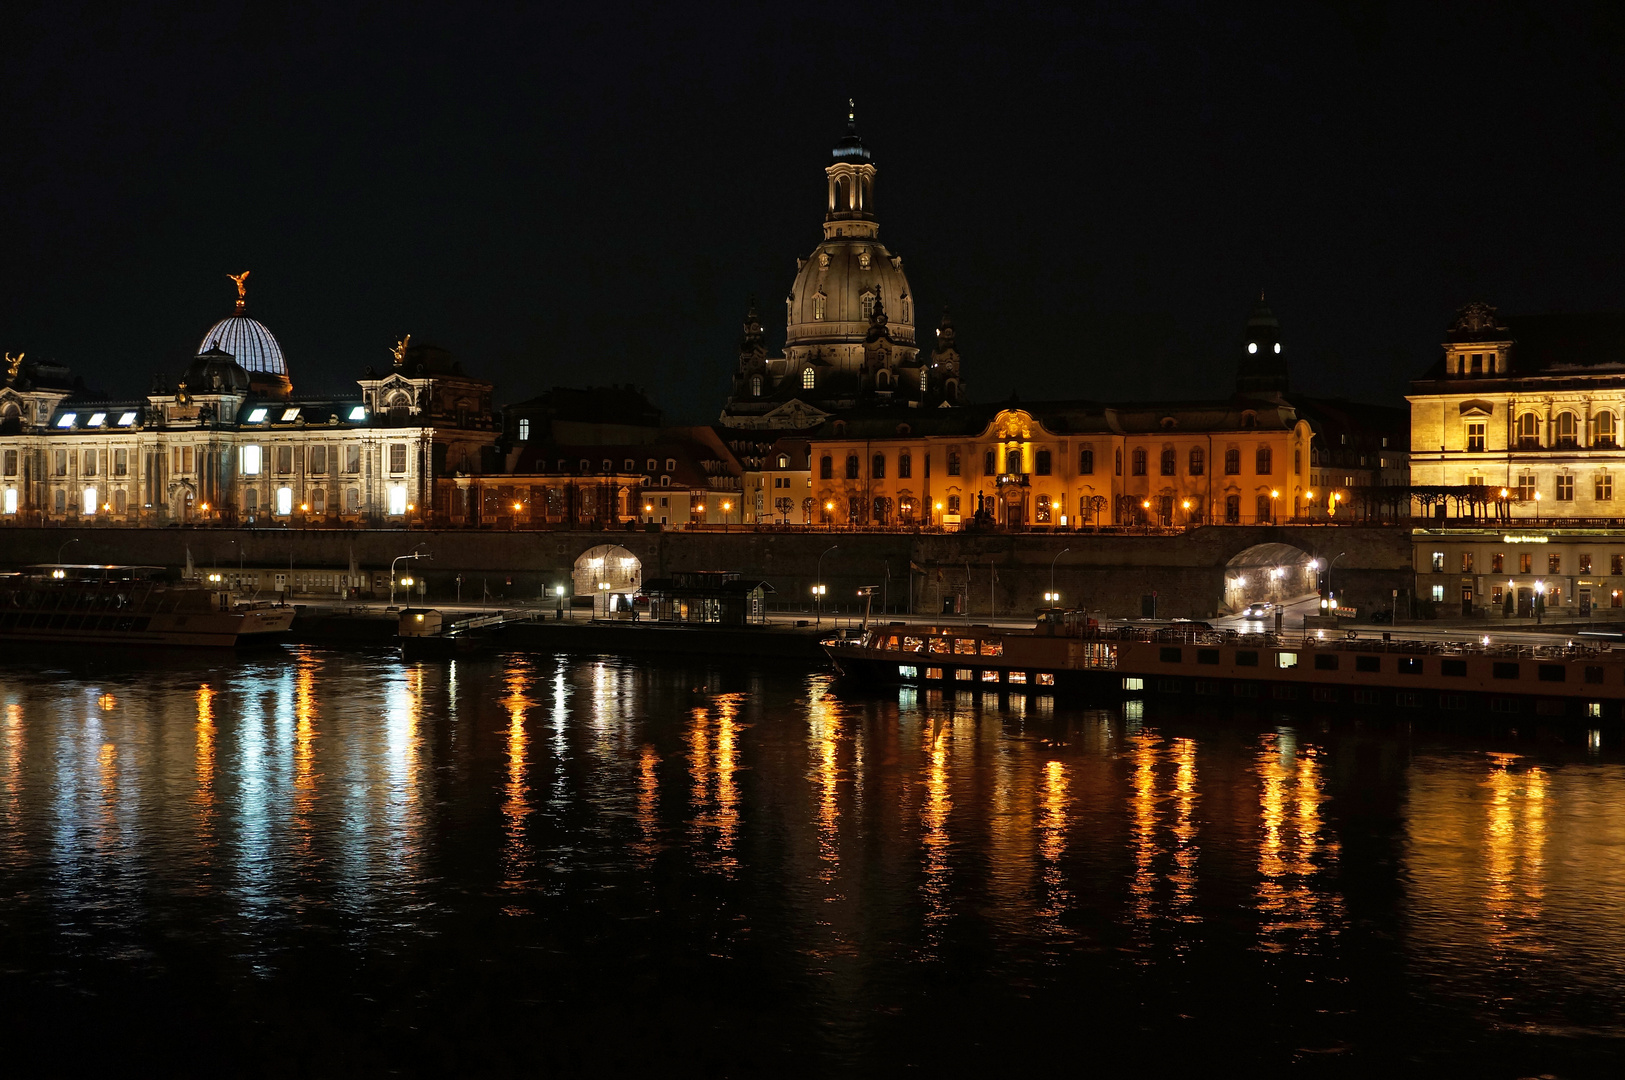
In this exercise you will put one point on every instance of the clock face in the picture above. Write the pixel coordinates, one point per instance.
(1252, 346)
(1277, 348)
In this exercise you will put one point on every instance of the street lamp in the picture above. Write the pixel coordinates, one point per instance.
(62, 545)
(1052, 596)
(829, 514)
(726, 506)
(603, 590)
(1540, 598)
(398, 558)
(1274, 495)
(819, 588)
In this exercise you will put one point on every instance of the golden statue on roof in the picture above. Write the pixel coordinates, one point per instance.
(399, 351)
(13, 363)
(242, 288)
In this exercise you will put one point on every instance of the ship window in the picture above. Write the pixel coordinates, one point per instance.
(1325, 662)
(1505, 670)
(1019, 677)
(891, 643)
(1410, 665)
(1553, 673)
(965, 646)
(939, 645)
(1594, 674)
(1172, 655)
(913, 644)
(1286, 660)
(990, 676)
(1246, 658)
(964, 674)
(992, 647)
(1369, 663)
(1046, 678)
(933, 673)
(1453, 667)
(908, 671)
(1130, 682)
(1207, 656)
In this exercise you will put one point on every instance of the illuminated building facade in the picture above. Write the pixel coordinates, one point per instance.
(1532, 404)
(233, 444)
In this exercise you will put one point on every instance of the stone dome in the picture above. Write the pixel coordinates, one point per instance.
(827, 303)
(216, 372)
(249, 343)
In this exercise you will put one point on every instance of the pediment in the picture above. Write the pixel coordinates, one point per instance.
(1478, 407)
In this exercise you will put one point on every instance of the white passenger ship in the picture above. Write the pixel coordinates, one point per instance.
(128, 605)
(1067, 653)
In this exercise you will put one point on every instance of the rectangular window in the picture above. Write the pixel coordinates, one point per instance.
(908, 671)
(1086, 461)
(1438, 562)
(1131, 682)
(397, 499)
(991, 647)
(11, 500)
(990, 676)
(397, 458)
(90, 506)
(964, 674)
(1585, 563)
(59, 463)
(1368, 663)
(1525, 563)
(1045, 678)
(965, 646)
(940, 645)
(1616, 564)
(1246, 658)
(352, 459)
(90, 463)
(1553, 673)
(1410, 665)
(1504, 670)
(1605, 487)
(1453, 668)
(524, 430)
(1497, 562)
(10, 468)
(1565, 488)
(1438, 592)
(1325, 662)
(1171, 655)
(1554, 563)
(1207, 656)
(933, 673)
(1286, 660)
(121, 462)
(1475, 436)
(284, 501)
(1018, 677)
(352, 500)
(1466, 562)
(251, 460)
(1526, 486)
(318, 459)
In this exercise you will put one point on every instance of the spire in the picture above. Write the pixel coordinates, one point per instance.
(851, 176)
(752, 328)
(1261, 367)
(851, 147)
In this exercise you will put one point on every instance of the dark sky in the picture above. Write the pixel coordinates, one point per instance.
(589, 193)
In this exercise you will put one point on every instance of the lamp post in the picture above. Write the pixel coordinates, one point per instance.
(62, 545)
(1537, 514)
(603, 590)
(398, 558)
(829, 514)
(1540, 602)
(1331, 596)
(1052, 596)
(726, 506)
(1274, 515)
(558, 594)
(819, 588)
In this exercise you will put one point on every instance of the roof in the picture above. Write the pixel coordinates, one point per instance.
(1551, 344)
(249, 343)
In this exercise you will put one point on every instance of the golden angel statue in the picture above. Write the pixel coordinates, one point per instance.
(13, 363)
(242, 288)
(399, 351)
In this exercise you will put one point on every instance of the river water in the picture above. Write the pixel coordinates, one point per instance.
(339, 863)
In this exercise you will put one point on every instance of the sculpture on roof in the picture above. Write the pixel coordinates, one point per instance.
(242, 289)
(13, 364)
(399, 350)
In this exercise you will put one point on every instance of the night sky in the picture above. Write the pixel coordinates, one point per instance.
(589, 194)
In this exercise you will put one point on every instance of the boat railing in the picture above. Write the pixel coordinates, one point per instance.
(1310, 641)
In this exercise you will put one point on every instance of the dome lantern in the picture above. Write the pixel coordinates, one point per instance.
(851, 191)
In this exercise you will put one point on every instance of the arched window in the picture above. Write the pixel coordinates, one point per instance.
(989, 468)
(1232, 509)
(755, 386)
(1263, 461)
(1232, 462)
(1138, 468)
(1043, 509)
(854, 510)
(908, 309)
(905, 465)
(1041, 463)
(826, 468)
(1566, 430)
(807, 378)
(784, 461)
(882, 509)
(882, 379)
(1603, 424)
(1264, 508)
(818, 306)
(852, 467)
(953, 462)
(1086, 461)
(1528, 431)
(868, 305)
(1012, 462)
(1197, 461)
(1168, 461)
(924, 376)
(878, 467)
(1118, 462)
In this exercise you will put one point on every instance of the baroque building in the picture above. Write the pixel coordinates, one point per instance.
(849, 321)
(233, 443)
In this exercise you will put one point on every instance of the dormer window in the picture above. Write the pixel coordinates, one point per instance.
(257, 416)
(66, 420)
(290, 415)
(96, 420)
(671, 464)
(784, 461)
(126, 419)
(630, 465)
(652, 465)
(358, 413)
(586, 466)
(609, 466)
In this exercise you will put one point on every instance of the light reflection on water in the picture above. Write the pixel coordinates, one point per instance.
(855, 852)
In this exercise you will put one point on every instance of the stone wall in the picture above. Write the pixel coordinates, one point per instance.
(1006, 574)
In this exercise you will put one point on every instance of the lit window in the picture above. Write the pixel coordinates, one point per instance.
(96, 419)
(358, 413)
(397, 499)
(964, 674)
(908, 671)
(524, 430)
(1018, 676)
(90, 503)
(990, 676)
(1132, 683)
(284, 501)
(1286, 660)
(66, 419)
(126, 419)
(1045, 678)
(11, 501)
(251, 461)
(933, 673)
(290, 414)
(1438, 592)
(807, 378)
(257, 416)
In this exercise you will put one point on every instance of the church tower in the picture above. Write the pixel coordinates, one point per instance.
(851, 174)
(1260, 368)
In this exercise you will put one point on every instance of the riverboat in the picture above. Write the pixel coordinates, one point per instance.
(83, 604)
(1067, 654)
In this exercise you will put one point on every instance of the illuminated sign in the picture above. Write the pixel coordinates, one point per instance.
(1519, 538)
